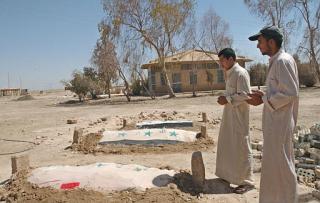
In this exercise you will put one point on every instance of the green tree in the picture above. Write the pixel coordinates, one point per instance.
(79, 84)
(95, 85)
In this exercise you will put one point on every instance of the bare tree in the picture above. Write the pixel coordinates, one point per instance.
(310, 12)
(214, 32)
(258, 74)
(134, 55)
(275, 12)
(212, 37)
(105, 60)
(306, 73)
(119, 66)
(157, 24)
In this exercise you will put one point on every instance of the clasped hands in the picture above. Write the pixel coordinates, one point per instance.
(255, 98)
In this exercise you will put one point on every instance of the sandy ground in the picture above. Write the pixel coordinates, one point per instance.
(43, 121)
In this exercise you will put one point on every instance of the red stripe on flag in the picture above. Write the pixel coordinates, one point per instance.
(66, 186)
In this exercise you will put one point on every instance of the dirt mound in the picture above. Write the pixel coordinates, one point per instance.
(200, 144)
(25, 98)
(116, 123)
(19, 190)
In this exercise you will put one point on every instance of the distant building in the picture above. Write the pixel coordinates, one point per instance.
(187, 70)
(13, 92)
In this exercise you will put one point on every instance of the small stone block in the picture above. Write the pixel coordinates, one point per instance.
(204, 132)
(254, 145)
(204, 117)
(19, 163)
(77, 133)
(103, 118)
(317, 185)
(316, 194)
(71, 121)
(306, 174)
(315, 144)
(317, 172)
(299, 152)
(260, 146)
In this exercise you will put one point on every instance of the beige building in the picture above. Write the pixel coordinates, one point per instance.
(13, 92)
(192, 69)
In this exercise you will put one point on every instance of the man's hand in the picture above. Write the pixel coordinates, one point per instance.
(256, 98)
(258, 92)
(222, 100)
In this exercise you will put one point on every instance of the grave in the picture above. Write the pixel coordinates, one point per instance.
(101, 177)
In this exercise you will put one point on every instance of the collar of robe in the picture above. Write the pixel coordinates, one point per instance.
(272, 59)
(228, 72)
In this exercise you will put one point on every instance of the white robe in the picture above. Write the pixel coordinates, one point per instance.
(234, 154)
(278, 178)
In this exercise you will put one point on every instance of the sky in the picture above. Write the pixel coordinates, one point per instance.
(43, 41)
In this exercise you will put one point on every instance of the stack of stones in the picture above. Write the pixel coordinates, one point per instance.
(307, 153)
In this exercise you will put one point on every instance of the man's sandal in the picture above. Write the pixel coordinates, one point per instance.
(241, 189)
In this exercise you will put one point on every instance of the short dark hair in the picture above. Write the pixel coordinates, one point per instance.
(278, 40)
(227, 53)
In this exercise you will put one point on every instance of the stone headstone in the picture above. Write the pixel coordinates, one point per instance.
(198, 170)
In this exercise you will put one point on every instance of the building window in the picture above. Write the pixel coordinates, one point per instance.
(209, 76)
(213, 65)
(201, 66)
(163, 81)
(153, 79)
(193, 78)
(220, 76)
(176, 82)
(186, 66)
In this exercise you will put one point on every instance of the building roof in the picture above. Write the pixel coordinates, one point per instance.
(191, 56)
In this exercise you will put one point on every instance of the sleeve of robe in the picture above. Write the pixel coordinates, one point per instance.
(241, 95)
(287, 87)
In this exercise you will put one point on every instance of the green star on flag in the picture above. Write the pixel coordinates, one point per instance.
(173, 134)
(148, 133)
(122, 134)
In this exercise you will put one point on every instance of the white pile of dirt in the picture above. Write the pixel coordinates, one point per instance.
(101, 177)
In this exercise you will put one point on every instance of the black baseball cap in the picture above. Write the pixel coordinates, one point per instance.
(272, 32)
(227, 52)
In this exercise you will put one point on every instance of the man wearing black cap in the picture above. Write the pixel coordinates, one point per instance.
(278, 182)
(234, 154)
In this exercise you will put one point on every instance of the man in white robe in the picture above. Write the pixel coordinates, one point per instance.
(234, 154)
(278, 182)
